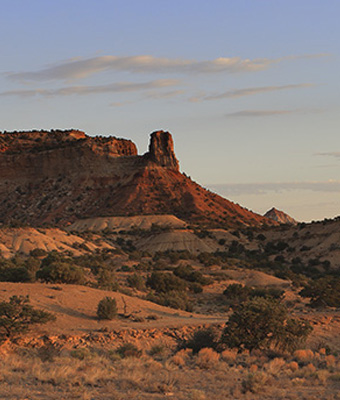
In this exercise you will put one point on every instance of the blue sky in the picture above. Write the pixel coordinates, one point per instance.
(248, 88)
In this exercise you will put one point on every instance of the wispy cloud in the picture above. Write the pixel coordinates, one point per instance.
(165, 95)
(335, 154)
(235, 93)
(264, 188)
(85, 90)
(82, 68)
(260, 113)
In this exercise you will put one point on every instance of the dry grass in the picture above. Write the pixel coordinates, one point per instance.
(304, 355)
(207, 358)
(90, 373)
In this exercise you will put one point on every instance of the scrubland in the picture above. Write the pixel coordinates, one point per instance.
(163, 372)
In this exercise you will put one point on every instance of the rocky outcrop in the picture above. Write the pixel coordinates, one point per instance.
(58, 177)
(41, 141)
(280, 217)
(161, 150)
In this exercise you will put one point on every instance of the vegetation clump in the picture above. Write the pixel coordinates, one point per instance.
(61, 272)
(17, 316)
(203, 338)
(323, 292)
(262, 323)
(237, 293)
(107, 308)
(164, 282)
(188, 273)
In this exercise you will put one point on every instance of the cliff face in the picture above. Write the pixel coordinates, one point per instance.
(161, 150)
(59, 176)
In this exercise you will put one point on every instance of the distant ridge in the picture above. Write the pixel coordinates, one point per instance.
(280, 216)
(58, 177)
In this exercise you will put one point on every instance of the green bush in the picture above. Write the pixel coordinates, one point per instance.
(188, 273)
(262, 323)
(195, 287)
(61, 272)
(15, 274)
(164, 282)
(173, 299)
(237, 293)
(323, 292)
(106, 280)
(107, 308)
(136, 281)
(38, 252)
(201, 338)
(17, 316)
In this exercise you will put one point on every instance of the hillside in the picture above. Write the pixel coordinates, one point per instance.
(58, 177)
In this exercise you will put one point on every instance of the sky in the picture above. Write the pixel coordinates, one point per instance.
(249, 89)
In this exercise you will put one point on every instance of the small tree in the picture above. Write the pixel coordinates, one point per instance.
(107, 308)
(261, 323)
(324, 292)
(17, 316)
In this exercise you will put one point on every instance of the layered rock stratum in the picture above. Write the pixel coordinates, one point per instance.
(57, 177)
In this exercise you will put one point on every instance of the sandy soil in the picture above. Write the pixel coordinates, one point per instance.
(75, 308)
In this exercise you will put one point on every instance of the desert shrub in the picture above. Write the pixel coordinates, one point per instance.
(157, 350)
(229, 356)
(32, 265)
(254, 382)
(15, 274)
(262, 323)
(164, 282)
(207, 358)
(304, 356)
(106, 280)
(195, 287)
(129, 350)
(202, 338)
(208, 259)
(53, 257)
(61, 272)
(38, 252)
(81, 354)
(136, 281)
(173, 299)
(323, 292)
(107, 308)
(237, 293)
(17, 316)
(188, 273)
(274, 293)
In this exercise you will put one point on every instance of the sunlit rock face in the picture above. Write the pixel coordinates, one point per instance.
(161, 150)
(57, 177)
(280, 216)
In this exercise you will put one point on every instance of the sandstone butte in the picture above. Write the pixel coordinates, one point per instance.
(57, 177)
